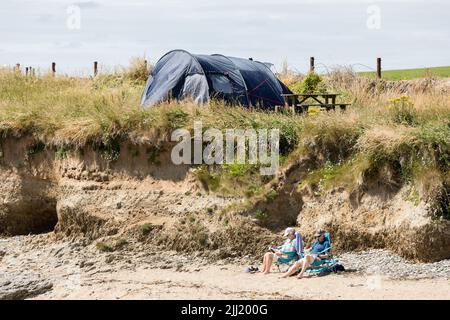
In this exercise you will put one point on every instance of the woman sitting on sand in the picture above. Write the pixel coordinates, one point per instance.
(315, 253)
(283, 254)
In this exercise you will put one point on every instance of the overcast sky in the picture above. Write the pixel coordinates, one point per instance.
(405, 33)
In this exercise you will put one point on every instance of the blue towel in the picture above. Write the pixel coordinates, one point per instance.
(299, 244)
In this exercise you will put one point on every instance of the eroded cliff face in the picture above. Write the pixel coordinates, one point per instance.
(370, 217)
(28, 190)
(379, 220)
(28, 204)
(86, 194)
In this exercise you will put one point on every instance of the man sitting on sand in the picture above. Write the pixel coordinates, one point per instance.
(283, 254)
(314, 253)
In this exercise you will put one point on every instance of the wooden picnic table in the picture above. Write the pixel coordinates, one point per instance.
(325, 101)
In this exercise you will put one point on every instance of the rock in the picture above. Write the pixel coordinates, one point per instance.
(84, 264)
(20, 287)
(110, 258)
(179, 267)
(57, 252)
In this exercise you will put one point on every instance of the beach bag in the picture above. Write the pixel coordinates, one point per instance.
(337, 268)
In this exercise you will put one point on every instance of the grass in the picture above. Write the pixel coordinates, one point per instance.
(104, 246)
(385, 136)
(146, 228)
(408, 74)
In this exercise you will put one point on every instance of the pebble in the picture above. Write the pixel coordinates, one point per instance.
(384, 262)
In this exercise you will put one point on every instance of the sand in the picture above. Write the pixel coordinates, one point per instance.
(230, 282)
(64, 270)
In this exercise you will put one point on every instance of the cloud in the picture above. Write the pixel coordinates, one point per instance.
(335, 31)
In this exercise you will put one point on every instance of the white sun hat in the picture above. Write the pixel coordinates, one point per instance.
(289, 231)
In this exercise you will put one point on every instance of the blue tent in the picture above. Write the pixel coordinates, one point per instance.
(180, 75)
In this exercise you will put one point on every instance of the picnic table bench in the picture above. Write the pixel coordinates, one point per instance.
(325, 101)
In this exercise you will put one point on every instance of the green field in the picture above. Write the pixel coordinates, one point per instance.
(407, 74)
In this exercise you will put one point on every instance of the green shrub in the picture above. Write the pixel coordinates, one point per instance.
(61, 153)
(210, 180)
(236, 169)
(145, 229)
(311, 83)
(111, 247)
(271, 195)
(120, 243)
(289, 137)
(403, 112)
(435, 139)
(104, 247)
(260, 215)
(176, 118)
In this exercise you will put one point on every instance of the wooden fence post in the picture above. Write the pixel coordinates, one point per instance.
(311, 64)
(53, 69)
(95, 68)
(379, 68)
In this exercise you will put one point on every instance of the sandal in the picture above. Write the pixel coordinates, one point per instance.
(252, 269)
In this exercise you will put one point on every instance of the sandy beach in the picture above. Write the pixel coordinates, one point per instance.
(229, 282)
(33, 268)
